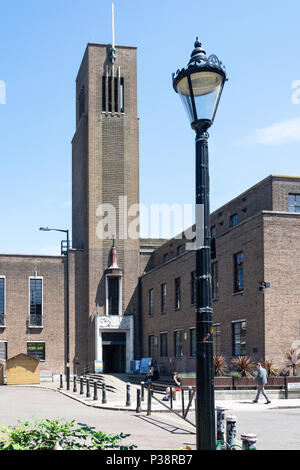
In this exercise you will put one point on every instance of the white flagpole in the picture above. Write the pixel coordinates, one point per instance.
(113, 25)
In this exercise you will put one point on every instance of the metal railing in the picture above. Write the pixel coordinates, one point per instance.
(85, 369)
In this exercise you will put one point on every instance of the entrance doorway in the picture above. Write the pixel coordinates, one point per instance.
(114, 352)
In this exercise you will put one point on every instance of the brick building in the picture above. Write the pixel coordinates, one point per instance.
(255, 281)
(131, 297)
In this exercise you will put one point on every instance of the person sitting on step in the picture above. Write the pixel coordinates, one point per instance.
(178, 383)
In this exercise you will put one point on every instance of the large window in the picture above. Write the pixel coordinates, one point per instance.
(193, 342)
(294, 202)
(151, 301)
(238, 281)
(81, 102)
(178, 343)
(2, 301)
(217, 339)
(36, 350)
(214, 280)
(151, 342)
(3, 351)
(239, 338)
(193, 288)
(163, 300)
(113, 296)
(163, 344)
(113, 98)
(36, 302)
(177, 293)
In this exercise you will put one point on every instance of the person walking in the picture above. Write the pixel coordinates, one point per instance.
(261, 379)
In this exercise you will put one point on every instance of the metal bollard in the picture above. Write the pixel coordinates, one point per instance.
(182, 401)
(171, 398)
(138, 401)
(75, 384)
(68, 377)
(248, 441)
(81, 386)
(128, 402)
(88, 393)
(220, 423)
(104, 393)
(61, 381)
(231, 430)
(149, 401)
(142, 391)
(95, 390)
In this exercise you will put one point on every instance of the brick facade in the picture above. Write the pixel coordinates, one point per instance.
(155, 276)
(268, 236)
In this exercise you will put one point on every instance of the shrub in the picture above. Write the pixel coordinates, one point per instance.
(292, 360)
(236, 375)
(220, 365)
(272, 370)
(244, 365)
(44, 434)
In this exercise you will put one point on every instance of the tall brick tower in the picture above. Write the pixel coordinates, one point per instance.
(105, 178)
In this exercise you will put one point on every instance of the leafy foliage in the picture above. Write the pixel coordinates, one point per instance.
(244, 365)
(220, 365)
(292, 358)
(272, 370)
(44, 434)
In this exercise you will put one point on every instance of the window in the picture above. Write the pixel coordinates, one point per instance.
(214, 280)
(193, 288)
(179, 250)
(151, 340)
(239, 338)
(122, 97)
(113, 296)
(109, 94)
(294, 202)
(233, 220)
(238, 285)
(163, 293)
(3, 351)
(217, 339)
(164, 345)
(116, 89)
(81, 103)
(178, 352)
(165, 258)
(112, 94)
(151, 301)
(36, 302)
(177, 293)
(104, 94)
(213, 234)
(2, 301)
(36, 350)
(193, 342)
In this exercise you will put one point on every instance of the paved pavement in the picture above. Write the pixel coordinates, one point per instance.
(276, 424)
(116, 400)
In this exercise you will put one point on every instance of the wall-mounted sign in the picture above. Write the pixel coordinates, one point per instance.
(98, 366)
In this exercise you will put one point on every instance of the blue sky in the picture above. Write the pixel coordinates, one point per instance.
(256, 130)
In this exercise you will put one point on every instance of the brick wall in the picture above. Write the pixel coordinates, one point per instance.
(282, 299)
(17, 270)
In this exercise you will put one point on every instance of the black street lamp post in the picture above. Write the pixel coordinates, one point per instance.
(200, 85)
(46, 229)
